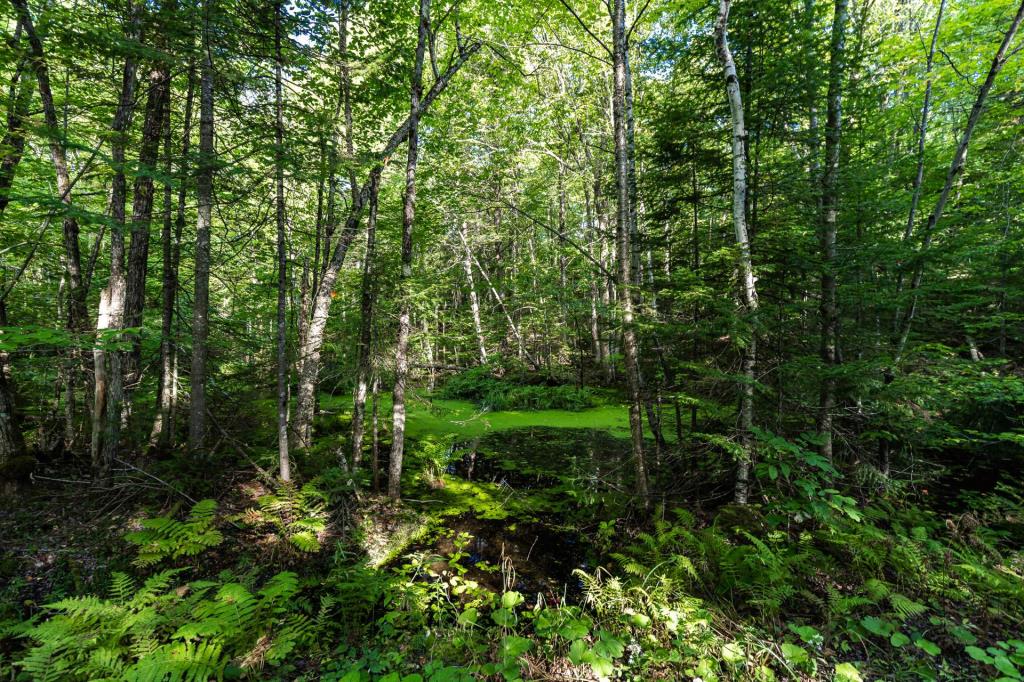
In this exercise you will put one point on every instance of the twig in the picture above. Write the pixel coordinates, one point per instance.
(155, 478)
(263, 474)
(584, 26)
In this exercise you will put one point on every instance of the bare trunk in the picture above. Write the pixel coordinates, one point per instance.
(346, 95)
(375, 432)
(513, 327)
(13, 145)
(11, 442)
(76, 314)
(748, 287)
(108, 377)
(282, 259)
(19, 97)
(474, 302)
(829, 312)
(956, 168)
(74, 288)
(167, 276)
(204, 190)
(142, 216)
(922, 132)
(408, 210)
(369, 294)
(915, 195)
(625, 253)
(163, 431)
(310, 351)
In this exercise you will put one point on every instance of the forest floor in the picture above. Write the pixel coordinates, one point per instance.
(519, 551)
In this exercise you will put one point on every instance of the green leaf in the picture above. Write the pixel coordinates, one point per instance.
(511, 599)
(578, 652)
(732, 652)
(899, 639)
(503, 617)
(808, 634)
(795, 654)
(513, 647)
(930, 648)
(978, 654)
(640, 620)
(574, 629)
(609, 645)
(847, 672)
(963, 634)
(602, 667)
(1003, 665)
(876, 626)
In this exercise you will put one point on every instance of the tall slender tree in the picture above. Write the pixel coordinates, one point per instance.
(368, 294)
(624, 221)
(204, 190)
(282, 256)
(829, 311)
(748, 288)
(408, 214)
(108, 376)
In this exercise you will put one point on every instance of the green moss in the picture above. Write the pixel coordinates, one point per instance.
(467, 420)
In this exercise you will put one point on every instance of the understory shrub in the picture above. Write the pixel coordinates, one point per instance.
(481, 386)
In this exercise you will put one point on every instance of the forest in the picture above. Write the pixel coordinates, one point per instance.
(452, 340)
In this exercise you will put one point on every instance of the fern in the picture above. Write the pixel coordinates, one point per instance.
(163, 632)
(299, 515)
(167, 538)
(122, 587)
(905, 607)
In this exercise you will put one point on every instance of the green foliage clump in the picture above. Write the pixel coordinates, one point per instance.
(195, 631)
(298, 514)
(482, 387)
(164, 537)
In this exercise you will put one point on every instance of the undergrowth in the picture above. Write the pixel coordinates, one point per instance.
(810, 583)
(481, 386)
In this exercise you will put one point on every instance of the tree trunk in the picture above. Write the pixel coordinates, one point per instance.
(915, 198)
(19, 98)
(13, 145)
(310, 351)
(142, 216)
(625, 253)
(408, 210)
(163, 433)
(368, 299)
(375, 432)
(74, 288)
(108, 377)
(474, 301)
(748, 288)
(956, 168)
(11, 442)
(829, 312)
(282, 259)
(513, 327)
(76, 314)
(346, 94)
(204, 190)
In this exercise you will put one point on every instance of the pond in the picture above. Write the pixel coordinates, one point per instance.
(523, 508)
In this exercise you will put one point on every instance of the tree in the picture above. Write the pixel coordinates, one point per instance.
(204, 188)
(748, 288)
(408, 212)
(829, 313)
(282, 257)
(624, 220)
